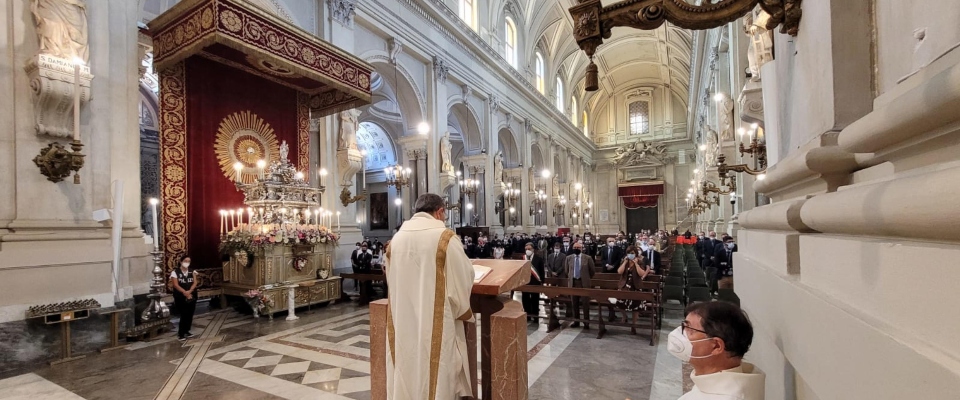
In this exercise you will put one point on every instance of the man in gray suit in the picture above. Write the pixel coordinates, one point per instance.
(579, 268)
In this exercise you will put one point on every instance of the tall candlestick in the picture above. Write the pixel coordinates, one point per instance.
(76, 99)
(221, 223)
(338, 221)
(156, 237)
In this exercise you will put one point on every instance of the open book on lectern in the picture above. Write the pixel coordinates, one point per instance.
(479, 272)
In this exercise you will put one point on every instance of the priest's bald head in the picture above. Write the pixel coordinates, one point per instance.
(432, 204)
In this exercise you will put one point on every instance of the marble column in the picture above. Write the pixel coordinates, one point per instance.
(437, 119)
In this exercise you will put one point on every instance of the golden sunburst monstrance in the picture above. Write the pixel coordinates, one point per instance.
(245, 137)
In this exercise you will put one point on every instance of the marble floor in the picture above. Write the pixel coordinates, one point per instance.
(325, 355)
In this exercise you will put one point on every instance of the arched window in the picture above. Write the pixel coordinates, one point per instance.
(468, 12)
(541, 84)
(573, 110)
(559, 94)
(586, 124)
(510, 42)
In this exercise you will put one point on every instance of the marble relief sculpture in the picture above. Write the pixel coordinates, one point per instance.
(640, 151)
(62, 28)
(446, 162)
(556, 186)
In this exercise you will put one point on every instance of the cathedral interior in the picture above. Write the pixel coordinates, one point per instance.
(821, 137)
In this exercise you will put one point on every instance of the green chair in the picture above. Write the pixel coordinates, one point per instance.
(695, 294)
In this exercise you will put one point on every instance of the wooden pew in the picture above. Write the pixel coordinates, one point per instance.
(372, 276)
(597, 295)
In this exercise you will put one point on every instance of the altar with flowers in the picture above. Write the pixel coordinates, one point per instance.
(280, 241)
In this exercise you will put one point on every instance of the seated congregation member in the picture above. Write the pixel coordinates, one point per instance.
(579, 270)
(713, 338)
(531, 301)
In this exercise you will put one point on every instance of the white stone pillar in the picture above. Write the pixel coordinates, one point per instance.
(291, 302)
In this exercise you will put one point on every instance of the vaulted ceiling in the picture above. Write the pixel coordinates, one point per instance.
(629, 58)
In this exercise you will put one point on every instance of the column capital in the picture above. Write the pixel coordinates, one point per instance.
(440, 69)
(477, 160)
(342, 11)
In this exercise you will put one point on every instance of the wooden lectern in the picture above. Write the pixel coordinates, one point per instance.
(503, 332)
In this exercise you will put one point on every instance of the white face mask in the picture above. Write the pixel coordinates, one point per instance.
(681, 347)
(556, 251)
(730, 245)
(529, 253)
(631, 256)
(185, 265)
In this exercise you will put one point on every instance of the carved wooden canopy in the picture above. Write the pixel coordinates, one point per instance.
(242, 36)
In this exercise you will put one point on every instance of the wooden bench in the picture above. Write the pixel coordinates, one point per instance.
(366, 296)
(597, 296)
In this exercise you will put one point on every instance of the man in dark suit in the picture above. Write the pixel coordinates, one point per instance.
(652, 256)
(353, 262)
(611, 256)
(364, 266)
(554, 264)
(723, 262)
(531, 301)
(579, 269)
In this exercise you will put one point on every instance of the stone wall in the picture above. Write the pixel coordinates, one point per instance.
(848, 275)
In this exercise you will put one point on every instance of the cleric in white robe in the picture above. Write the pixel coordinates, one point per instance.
(430, 279)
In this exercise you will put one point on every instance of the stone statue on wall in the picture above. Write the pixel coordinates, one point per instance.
(446, 162)
(761, 41)
(498, 167)
(348, 130)
(62, 28)
(284, 151)
(712, 147)
(556, 186)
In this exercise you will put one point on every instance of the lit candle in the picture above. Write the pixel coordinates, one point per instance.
(156, 237)
(338, 221)
(238, 166)
(321, 214)
(260, 166)
(306, 212)
(223, 222)
(363, 163)
(232, 220)
(249, 219)
(323, 176)
(76, 99)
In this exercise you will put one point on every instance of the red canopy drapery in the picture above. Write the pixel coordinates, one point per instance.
(640, 196)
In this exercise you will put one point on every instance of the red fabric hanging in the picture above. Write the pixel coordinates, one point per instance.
(634, 202)
(640, 190)
(640, 196)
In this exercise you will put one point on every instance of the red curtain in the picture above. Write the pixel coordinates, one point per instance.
(640, 196)
(215, 91)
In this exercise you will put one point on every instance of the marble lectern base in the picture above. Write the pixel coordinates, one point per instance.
(503, 331)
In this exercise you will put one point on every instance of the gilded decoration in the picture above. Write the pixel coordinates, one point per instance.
(303, 132)
(173, 154)
(244, 137)
(340, 80)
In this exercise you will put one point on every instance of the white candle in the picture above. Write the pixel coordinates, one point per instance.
(232, 220)
(338, 221)
(156, 237)
(76, 100)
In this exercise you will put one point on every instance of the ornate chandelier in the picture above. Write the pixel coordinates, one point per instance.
(398, 176)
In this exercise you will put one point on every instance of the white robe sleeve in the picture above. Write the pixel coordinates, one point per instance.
(459, 281)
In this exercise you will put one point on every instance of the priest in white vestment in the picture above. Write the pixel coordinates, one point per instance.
(430, 278)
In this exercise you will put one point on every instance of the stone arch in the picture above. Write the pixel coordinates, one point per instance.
(508, 145)
(405, 94)
(467, 123)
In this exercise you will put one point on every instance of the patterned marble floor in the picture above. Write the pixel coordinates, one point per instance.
(325, 355)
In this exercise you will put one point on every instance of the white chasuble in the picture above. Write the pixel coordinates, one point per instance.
(430, 278)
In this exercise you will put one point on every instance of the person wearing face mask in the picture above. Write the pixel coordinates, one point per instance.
(566, 246)
(579, 269)
(611, 256)
(554, 262)
(184, 283)
(631, 272)
(531, 301)
(722, 264)
(713, 338)
(354, 265)
(652, 256)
